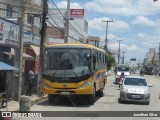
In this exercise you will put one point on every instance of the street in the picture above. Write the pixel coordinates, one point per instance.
(107, 103)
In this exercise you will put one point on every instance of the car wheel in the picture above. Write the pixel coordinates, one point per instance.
(147, 103)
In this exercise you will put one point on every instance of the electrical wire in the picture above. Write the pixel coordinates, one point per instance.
(54, 21)
(54, 26)
(59, 27)
(64, 18)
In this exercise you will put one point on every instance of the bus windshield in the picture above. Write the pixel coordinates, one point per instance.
(66, 62)
(123, 69)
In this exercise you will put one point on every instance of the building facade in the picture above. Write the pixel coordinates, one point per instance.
(31, 37)
(78, 26)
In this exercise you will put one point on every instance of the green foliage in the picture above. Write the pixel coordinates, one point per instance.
(110, 61)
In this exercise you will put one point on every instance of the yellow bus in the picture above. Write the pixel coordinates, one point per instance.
(77, 70)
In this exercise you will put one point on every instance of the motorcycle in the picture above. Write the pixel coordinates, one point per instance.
(120, 81)
(141, 73)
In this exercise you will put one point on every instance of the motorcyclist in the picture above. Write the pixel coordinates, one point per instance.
(121, 78)
(142, 72)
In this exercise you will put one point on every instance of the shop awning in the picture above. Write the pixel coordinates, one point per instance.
(25, 56)
(36, 49)
(4, 66)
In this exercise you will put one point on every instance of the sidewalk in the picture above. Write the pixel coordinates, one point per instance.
(14, 105)
(157, 76)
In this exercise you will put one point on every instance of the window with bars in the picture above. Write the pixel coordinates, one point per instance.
(30, 19)
(9, 11)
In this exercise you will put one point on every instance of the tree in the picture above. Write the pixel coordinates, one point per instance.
(110, 61)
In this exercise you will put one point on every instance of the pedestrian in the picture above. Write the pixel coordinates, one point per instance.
(30, 80)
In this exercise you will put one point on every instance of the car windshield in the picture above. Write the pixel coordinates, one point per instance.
(68, 62)
(135, 81)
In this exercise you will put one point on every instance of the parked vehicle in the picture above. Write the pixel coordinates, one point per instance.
(149, 69)
(136, 89)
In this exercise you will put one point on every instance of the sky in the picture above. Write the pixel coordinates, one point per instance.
(135, 22)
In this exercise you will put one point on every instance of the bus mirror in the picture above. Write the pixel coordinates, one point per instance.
(88, 56)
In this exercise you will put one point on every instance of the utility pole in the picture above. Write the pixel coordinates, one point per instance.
(119, 51)
(123, 58)
(43, 34)
(19, 50)
(106, 39)
(159, 55)
(67, 18)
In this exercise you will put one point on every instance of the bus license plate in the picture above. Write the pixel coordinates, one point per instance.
(65, 93)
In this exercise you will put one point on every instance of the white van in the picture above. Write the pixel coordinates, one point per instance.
(121, 68)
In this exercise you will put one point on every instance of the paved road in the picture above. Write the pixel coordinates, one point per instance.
(107, 103)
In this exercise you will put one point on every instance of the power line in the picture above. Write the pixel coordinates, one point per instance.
(58, 9)
(53, 21)
(54, 26)
(57, 18)
(64, 18)
(58, 26)
(61, 30)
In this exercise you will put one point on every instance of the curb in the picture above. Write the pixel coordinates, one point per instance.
(157, 76)
(40, 99)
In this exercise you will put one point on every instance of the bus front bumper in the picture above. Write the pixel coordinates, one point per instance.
(67, 91)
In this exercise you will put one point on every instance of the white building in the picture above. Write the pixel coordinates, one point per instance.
(78, 28)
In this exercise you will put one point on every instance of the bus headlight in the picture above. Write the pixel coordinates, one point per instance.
(86, 84)
(46, 85)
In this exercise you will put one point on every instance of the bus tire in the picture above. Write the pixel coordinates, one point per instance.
(51, 98)
(91, 98)
(100, 93)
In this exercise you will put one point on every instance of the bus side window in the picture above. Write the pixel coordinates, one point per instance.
(94, 62)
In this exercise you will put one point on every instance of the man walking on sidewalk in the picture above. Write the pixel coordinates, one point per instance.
(31, 79)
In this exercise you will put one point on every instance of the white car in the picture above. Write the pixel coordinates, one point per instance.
(136, 89)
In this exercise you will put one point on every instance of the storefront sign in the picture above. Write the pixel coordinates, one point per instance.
(27, 37)
(8, 33)
(77, 13)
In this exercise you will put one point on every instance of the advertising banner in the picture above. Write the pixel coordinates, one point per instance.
(77, 13)
(8, 33)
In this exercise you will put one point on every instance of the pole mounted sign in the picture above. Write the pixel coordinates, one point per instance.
(77, 13)
(8, 33)
(133, 59)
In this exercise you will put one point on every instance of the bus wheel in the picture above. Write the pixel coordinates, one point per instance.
(91, 98)
(51, 98)
(100, 93)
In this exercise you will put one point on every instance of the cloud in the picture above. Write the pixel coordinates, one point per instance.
(124, 47)
(149, 40)
(118, 25)
(141, 20)
(124, 7)
(63, 4)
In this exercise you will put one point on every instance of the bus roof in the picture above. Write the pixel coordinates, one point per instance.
(76, 45)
